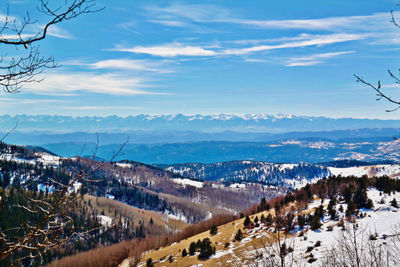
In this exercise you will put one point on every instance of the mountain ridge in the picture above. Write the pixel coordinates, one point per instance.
(213, 123)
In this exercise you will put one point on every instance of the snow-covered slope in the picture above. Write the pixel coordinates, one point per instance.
(290, 175)
(373, 170)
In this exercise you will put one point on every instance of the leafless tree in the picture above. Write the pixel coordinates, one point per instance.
(276, 250)
(357, 247)
(55, 227)
(25, 33)
(393, 75)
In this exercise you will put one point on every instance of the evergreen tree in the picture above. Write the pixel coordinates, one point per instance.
(192, 248)
(198, 244)
(149, 263)
(268, 220)
(213, 230)
(348, 193)
(184, 252)
(289, 221)
(319, 211)
(360, 198)
(315, 223)
(301, 220)
(239, 235)
(256, 219)
(262, 219)
(351, 207)
(206, 249)
(247, 221)
(394, 203)
(333, 214)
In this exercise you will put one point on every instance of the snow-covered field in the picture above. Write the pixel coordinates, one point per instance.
(381, 221)
(105, 220)
(188, 182)
(374, 170)
(40, 157)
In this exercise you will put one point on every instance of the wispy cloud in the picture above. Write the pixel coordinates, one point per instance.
(125, 64)
(314, 40)
(72, 83)
(314, 59)
(215, 14)
(365, 23)
(27, 101)
(169, 50)
(59, 32)
(178, 49)
(173, 23)
(86, 108)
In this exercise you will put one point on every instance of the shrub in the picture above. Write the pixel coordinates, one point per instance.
(192, 248)
(373, 237)
(315, 223)
(149, 263)
(184, 252)
(198, 244)
(301, 221)
(213, 230)
(394, 203)
(370, 204)
(206, 249)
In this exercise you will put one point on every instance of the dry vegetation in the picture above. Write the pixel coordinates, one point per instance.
(225, 235)
(111, 207)
(133, 249)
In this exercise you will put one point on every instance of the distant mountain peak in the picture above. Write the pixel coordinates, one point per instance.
(278, 123)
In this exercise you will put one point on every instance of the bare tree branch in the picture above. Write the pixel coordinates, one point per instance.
(19, 70)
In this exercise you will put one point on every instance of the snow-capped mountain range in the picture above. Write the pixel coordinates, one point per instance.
(208, 123)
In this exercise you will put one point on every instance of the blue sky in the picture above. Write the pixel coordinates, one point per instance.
(208, 57)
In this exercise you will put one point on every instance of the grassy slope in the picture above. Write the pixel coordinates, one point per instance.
(135, 214)
(233, 255)
(225, 234)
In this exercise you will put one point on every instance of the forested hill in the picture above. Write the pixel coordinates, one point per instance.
(289, 175)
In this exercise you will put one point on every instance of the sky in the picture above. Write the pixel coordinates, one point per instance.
(210, 57)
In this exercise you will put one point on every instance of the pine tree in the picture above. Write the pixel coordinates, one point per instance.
(239, 235)
(333, 214)
(149, 263)
(198, 244)
(301, 220)
(256, 219)
(351, 207)
(206, 249)
(268, 220)
(394, 203)
(192, 248)
(213, 230)
(262, 219)
(315, 223)
(184, 252)
(247, 221)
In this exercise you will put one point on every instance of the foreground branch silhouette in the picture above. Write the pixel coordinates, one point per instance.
(21, 33)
